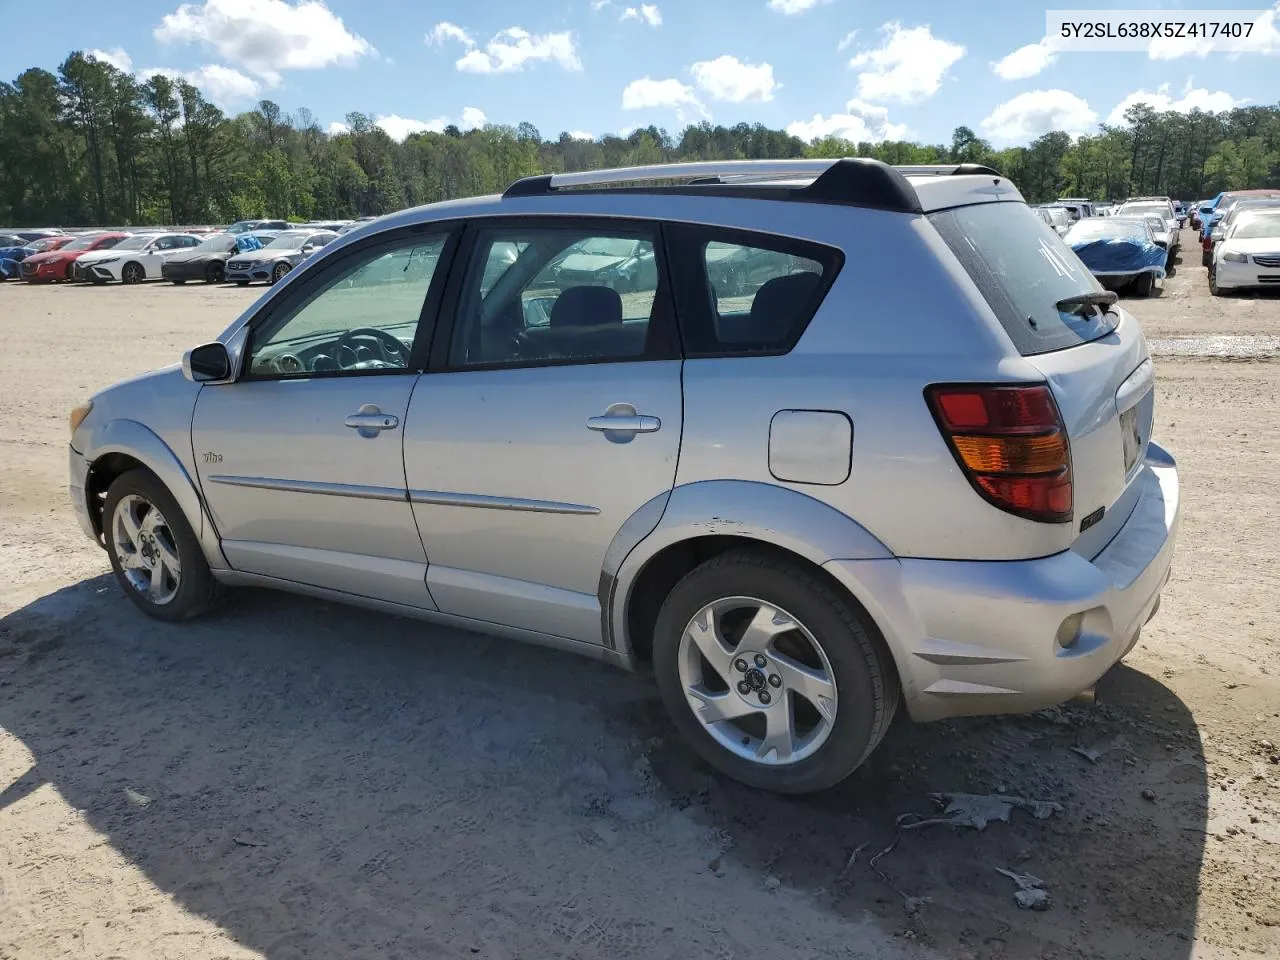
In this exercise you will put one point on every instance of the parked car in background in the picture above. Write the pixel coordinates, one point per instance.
(797, 521)
(615, 262)
(1233, 213)
(31, 235)
(272, 262)
(1078, 206)
(1121, 252)
(1163, 236)
(1225, 201)
(208, 261)
(251, 226)
(134, 259)
(53, 265)
(1249, 255)
(1056, 217)
(55, 241)
(334, 225)
(1160, 206)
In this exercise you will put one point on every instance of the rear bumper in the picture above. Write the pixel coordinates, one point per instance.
(972, 637)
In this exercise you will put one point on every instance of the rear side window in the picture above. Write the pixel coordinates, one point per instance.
(747, 293)
(1024, 270)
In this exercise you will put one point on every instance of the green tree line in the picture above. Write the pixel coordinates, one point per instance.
(96, 145)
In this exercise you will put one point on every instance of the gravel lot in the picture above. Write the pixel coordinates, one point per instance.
(294, 779)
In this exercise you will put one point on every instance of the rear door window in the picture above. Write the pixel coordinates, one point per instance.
(747, 293)
(1024, 270)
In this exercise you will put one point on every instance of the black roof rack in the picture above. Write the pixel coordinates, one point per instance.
(852, 181)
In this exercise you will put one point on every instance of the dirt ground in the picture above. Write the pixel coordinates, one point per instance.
(290, 778)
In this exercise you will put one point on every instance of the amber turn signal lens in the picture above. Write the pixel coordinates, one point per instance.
(78, 414)
(1042, 454)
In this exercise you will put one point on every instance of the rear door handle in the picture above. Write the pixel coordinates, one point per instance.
(369, 421)
(621, 423)
(636, 423)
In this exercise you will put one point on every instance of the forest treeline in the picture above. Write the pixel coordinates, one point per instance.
(95, 145)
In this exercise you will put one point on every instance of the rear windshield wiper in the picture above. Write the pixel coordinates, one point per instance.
(1094, 298)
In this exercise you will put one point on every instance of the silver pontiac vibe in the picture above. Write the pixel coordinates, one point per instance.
(806, 439)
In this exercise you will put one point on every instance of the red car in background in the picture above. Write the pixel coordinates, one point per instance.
(54, 264)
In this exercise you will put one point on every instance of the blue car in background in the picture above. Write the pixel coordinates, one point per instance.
(13, 250)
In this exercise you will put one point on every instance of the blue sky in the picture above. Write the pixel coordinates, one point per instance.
(865, 69)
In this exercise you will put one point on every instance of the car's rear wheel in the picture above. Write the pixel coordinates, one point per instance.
(153, 551)
(215, 273)
(772, 675)
(277, 274)
(132, 273)
(1142, 285)
(1214, 289)
(1206, 258)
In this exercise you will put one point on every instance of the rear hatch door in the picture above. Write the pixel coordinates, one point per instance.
(1094, 357)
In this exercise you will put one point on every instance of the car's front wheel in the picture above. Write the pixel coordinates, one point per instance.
(153, 551)
(278, 273)
(771, 674)
(215, 273)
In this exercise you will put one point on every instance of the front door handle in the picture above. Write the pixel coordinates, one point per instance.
(621, 423)
(369, 421)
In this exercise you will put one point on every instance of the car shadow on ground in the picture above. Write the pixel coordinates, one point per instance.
(324, 781)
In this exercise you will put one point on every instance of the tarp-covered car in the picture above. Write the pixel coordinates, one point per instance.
(1120, 252)
(278, 257)
(208, 262)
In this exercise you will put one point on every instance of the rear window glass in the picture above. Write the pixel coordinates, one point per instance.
(1023, 269)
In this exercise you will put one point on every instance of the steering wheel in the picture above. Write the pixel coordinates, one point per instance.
(393, 351)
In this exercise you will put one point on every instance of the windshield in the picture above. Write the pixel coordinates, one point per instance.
(136, 242)
(40, 246)
(1023, 271)
(1255, 228)
(220, 243)
(83, 243)
(289, 240)
(1107, 228)
(609, 246)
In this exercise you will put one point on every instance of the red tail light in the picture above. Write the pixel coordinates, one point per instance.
(1011, 444)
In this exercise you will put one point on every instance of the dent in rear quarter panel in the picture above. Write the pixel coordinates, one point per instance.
(902, 314)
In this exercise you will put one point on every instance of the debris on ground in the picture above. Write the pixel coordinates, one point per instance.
(136, 798)
(1149, 795)
(1031, 893)
(976, 811)
(772, 883)
(853, 857)
(1098, 751)
(914, 905)
(247, 842)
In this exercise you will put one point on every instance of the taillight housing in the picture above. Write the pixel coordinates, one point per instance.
(1011, 444)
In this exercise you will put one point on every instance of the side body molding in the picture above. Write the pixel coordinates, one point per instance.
(766, 512)
(135, 440)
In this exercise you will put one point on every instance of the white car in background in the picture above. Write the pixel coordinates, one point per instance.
(134, 258)
(1249, 255)
(1056, 217)
(1163, 208)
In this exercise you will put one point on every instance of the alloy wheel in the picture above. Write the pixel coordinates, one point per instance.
(758, 681)
(145, 547)
(132, 273)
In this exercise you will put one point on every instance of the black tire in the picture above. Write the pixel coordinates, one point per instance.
(197, 590)
(132, 273)
(1142, 285)
(1206, 258)
(215, 273)
(278, 272)
(867, 687)
(1214, 289)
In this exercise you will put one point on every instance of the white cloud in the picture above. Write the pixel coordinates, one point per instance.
(1216, 101)
(267, 36)
(581, 135)
(337, 128)
(793, 7)
(646, 12)
(729, 79)
(849, 37)
(397, 127)
(1026, 61)
(1264, 38)
(863, 122)
(510, 49)
(116, 57)
(1028, 115)
(444, 30)
(222, 85)
(647, 93)
(908, 66)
